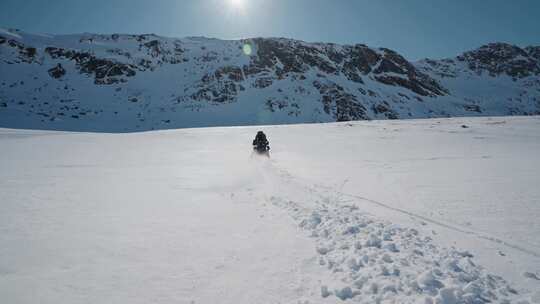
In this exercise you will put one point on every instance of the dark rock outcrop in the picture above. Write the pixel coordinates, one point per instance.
(57, 72)
(220, 86)
(281, 57)
(384, 108)
(503, 58)
(342, 105)
(105, 71)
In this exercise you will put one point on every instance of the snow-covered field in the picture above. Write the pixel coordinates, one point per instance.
(418, 211)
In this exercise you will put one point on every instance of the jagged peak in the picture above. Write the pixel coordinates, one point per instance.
(533, 51)
(502, 58)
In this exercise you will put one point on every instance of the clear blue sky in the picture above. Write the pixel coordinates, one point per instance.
(415, 28)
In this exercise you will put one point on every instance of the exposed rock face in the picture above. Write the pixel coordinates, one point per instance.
(444, 68)
(105, 71)
(281, 57)
(221, 86)
(384, 108)
(284, 56)
(157, 49)
(533, 51)
(341, 105)
(25, 53)
(472, 108)
(409, 77)
(358, 58)
(502, 58)
(57, 72)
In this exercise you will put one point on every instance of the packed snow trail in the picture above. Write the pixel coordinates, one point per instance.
(451, 226)
(373, 261)
(482, 179)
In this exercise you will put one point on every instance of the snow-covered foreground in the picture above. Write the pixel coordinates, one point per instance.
(415, 211)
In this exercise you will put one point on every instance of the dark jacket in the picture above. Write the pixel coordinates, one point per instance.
(260, 140)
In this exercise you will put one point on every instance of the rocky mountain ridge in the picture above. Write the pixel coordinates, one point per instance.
(141, 82)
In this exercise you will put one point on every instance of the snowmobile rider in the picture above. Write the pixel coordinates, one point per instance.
(260, 143)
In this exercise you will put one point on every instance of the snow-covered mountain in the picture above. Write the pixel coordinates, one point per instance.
(142, 82)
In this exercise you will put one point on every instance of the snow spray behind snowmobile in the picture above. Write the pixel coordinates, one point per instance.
(261, 145)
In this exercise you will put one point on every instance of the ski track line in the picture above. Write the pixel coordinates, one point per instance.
(428, 275)
(446, 225)
(283, 173)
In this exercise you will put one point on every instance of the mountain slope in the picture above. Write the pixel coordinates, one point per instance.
(142, 82)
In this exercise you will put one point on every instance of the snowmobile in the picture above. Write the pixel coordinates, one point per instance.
(262, 150)
(261, 145)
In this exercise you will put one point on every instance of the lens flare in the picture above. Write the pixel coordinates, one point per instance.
(247, 49)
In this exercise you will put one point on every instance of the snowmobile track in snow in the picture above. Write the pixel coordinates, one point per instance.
(445, 225)
(423, 218)
(377, 261)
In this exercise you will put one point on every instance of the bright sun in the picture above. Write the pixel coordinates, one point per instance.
(237, 3)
